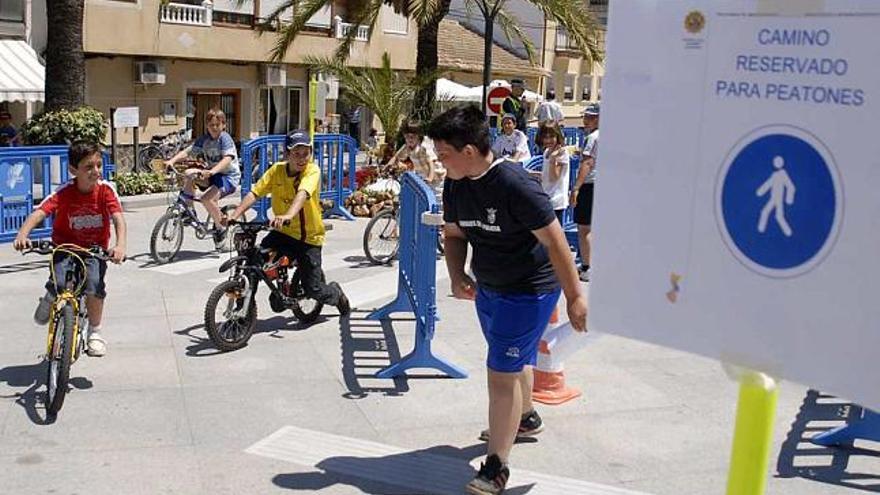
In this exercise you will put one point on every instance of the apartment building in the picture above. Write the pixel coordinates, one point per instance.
(22, 72)
(176, 60)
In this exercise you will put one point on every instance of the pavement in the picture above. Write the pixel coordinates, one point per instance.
(299, 411)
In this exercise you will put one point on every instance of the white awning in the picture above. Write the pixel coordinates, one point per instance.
(22, 76)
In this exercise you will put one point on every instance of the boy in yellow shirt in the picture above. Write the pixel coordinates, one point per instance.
(299, 227)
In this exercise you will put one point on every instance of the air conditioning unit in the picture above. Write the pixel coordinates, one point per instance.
(150, 72)
(274, 75)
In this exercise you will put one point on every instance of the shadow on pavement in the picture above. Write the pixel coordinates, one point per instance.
(799, 458)
(201, 345)
(24, 266)
(368, 474)
(32, 378)
(146, 261)
(367, 347)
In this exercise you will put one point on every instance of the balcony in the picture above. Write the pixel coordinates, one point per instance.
(563, 42)
(190, 15)
(344, 28)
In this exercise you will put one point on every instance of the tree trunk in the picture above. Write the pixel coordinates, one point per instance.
(426, 62)
(65, 61)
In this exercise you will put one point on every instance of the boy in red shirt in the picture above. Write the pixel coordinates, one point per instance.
(83, 210)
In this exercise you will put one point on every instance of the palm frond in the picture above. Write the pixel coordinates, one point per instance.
(579, 22)
(287, 32)
(512, 30)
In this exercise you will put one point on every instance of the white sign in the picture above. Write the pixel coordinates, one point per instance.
(125, 117)
(737, 210)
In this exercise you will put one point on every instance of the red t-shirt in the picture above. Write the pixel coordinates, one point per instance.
(82, 218)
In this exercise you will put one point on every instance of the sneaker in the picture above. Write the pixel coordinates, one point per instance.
(585, 275)
(529, 426)
(491, 479)
(342, 304)
(44, 308)
(219, 238)
(97, 346)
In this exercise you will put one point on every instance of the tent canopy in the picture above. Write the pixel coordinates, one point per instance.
(22, 76)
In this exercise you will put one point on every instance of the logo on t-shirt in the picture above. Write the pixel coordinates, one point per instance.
(79, 222)
(512, 352)
(490, 214)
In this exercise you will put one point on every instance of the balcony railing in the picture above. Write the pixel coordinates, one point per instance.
(563, 42)
(344, 28)
(191, 15)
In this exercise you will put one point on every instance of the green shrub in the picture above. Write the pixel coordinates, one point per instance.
(65, 126)
(132, 183)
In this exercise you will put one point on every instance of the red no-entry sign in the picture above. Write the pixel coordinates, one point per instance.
(496, 98)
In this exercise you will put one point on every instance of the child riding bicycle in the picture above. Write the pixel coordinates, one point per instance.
(224, 173)
(83, 210)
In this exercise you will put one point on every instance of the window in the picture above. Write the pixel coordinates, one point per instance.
(12, 10)
(586, 88)
(568, 95)
(394, 23)
(294, 109)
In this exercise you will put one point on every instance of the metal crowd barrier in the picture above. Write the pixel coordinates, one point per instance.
(334, 154)
(417, 277)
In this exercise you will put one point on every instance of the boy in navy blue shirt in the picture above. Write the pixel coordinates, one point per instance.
(520, 259)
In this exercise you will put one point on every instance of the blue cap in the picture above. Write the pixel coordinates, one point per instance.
(592, 109)
(298, 138)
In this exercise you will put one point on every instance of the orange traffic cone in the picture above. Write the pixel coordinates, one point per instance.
(556, 344)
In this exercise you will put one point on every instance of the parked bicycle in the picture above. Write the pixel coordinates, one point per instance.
(382, 233)
(68, 318)
(167, 236)
(162, 147)
(231, 311)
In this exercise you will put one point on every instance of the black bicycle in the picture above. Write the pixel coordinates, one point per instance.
(231, 311)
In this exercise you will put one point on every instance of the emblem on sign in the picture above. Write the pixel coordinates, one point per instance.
(694, 22)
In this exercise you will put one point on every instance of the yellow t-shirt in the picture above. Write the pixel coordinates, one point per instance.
(308, 226)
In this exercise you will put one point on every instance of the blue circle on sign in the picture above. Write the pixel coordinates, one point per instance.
(779, 201)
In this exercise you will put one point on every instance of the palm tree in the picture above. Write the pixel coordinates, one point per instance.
(384, 91)
(573, 14)
(65, 61)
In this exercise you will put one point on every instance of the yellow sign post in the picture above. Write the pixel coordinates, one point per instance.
(313, 103)
(753, 434)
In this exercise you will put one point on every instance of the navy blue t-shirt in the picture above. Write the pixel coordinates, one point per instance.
(497, 213)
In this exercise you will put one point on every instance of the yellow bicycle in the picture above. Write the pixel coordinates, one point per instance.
(68, 318)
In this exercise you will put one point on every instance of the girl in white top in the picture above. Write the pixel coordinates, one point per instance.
(555, 172)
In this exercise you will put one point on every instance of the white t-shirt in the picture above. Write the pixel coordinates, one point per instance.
(591, 149)
(506, 145)
(558, 191)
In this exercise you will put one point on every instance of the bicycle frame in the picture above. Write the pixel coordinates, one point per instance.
(71, 294)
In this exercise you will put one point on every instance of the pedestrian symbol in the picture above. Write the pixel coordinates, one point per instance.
(778, 201)
(779, 185)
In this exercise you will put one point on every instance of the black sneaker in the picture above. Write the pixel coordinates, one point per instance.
(491, 479)
(219, 238)
(342, 304)
(529, 426)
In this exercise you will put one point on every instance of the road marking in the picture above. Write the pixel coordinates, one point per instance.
(419, 471)
(381, 286)
(189, 266)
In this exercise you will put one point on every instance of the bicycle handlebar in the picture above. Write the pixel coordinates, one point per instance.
(48, 247)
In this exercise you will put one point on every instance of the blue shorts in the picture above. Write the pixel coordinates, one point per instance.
(224, 184)
(513, 325)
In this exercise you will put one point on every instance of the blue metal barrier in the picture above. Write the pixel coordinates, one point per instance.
(333, 153)
(536, 164)
(417, 278)
(26, 177)
(866, 426)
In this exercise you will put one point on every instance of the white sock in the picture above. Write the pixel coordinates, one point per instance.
(96, 329)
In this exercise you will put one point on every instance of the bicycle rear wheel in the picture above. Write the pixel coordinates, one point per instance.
(145, 158)
(382, 238)
(59, 359)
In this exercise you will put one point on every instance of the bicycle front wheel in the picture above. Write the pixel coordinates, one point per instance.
(382, 238)
(167, 237)
(59, 359)
(226, 328)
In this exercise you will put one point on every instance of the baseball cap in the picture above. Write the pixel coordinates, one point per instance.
(592, 109)
(508, 116)
(297, 138)
(517, 82)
